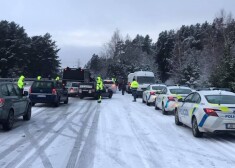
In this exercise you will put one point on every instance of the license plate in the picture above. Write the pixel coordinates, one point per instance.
(230, 126)
(41, 95)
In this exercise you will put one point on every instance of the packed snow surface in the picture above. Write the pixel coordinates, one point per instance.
(117, 133)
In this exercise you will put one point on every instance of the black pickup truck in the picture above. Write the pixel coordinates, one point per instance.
(88, 89)
(87, 85)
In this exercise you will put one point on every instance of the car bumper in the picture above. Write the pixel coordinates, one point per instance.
(72, 93)
(152, 99)
(171, 105)
(216, 125)
(43, 98)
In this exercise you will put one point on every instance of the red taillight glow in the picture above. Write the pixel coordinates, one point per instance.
(71, 89)
(54, 91)
(152, 93)
(2, 101)
(210, 112)
(30, 90)
(170, 98)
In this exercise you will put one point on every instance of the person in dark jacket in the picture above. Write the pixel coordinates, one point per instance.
(123, 86)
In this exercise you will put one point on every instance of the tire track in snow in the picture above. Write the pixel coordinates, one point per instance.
(12, 148)
(45, 131)
(29, 160)
(77, 148)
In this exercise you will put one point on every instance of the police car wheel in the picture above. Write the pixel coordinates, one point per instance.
(143, 100)
(156, 108)
(164, 112)
(177, 121)
(195, 129)
(148, 104)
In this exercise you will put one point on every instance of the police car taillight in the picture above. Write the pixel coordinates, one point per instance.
(210, 112)
(2, 101)
(152, 93)
(170, 98)
(54, 91)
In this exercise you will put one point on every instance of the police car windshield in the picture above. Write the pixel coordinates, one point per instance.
(180, 91)
(145, 79)
(157, 87)
(220, 99)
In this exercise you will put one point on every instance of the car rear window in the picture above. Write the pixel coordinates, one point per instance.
(108, 82)
(75, 84)
(42, 84)
(157, 87)
(145, 79)
(180, 91)
(220, 99)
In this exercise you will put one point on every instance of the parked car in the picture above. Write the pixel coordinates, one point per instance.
(110, 84)
(27, 85)
(107, 92)
(207, 111)
(48, 91)
(13, 104)
(151, 93)
(73, 88)
(170, 98)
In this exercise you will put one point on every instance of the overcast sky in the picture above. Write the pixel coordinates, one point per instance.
(81, 27)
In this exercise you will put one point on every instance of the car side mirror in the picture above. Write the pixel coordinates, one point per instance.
(26, 93)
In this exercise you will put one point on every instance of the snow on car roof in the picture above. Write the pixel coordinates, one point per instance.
(215, 92)
(178, 87)
(157, 85)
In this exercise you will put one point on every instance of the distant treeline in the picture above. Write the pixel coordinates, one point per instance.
(24, 55)
(199, 55)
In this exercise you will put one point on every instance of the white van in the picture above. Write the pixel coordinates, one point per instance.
(129, 80)
(144, 78)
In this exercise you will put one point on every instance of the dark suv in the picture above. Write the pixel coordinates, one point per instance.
(48, 91)
(13, 104)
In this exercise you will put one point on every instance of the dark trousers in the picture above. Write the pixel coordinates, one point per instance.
(134, 93)
(21, 91)
(123, 91)
(99, 94)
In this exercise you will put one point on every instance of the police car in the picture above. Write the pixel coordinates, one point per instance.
(170, 97)
(207, 111)
(151, 92)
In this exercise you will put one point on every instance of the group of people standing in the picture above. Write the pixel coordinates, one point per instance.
(99, 86)
(21, 82)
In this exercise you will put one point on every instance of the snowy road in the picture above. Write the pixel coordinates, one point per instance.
(117, 133)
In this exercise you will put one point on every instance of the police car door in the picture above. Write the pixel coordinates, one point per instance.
(184, 109)
(192, 107)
